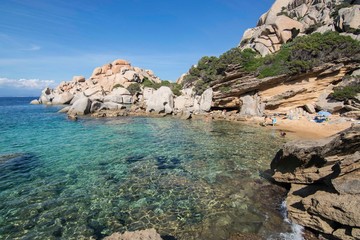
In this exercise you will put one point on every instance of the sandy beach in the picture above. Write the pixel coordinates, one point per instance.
(307, 129)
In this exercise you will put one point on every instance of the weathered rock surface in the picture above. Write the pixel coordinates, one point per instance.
(78, 79)
(112, 106)
(309, 108)
(118, 95)
(349, 18)
(331, 106)
(62, 98)
(161, 101)
(147, 234)
(34, 102)
(282, 93)
(46, 96)
(206, 100)
(251, 105)
(324, 177)
(352, 114)
(183, 102)
(80, 107)
(65, 109)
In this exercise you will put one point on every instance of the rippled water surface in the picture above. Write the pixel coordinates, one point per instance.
(196, 179)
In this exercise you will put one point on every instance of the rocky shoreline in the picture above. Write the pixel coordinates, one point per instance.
(324, 183)
(322, 175)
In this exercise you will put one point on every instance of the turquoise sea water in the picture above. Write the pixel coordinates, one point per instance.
(61, 179)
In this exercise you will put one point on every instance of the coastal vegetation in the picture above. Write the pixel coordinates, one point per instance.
(345, 93)
(136, 87)
(297, 56)
(173, 86)
(133, 88)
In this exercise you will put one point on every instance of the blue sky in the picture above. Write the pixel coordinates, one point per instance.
(43, 42)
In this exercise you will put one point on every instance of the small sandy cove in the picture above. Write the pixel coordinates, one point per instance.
(307, 129)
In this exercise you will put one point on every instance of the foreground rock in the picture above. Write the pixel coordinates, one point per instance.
(147, 234)
(161, 101)
(325, 182)
(80, 107)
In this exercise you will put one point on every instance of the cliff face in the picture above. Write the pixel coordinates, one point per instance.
(281, 93)
(288, 19)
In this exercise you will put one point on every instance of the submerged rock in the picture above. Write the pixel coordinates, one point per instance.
(147, 234)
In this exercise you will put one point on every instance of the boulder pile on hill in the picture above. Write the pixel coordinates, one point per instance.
(288, 19)
(103, 80)
(117, 86)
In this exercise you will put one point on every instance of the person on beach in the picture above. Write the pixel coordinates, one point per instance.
(265, 120)
(274, 120)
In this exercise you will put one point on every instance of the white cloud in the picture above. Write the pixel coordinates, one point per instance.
(33, 48)
(26, 83)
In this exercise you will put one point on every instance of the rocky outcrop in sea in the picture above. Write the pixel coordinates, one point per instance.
(325, 184)
(118, 88)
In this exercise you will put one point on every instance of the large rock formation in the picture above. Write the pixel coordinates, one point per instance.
(288, 19)
(254, 96)
(191, 103)
(325, 184)
(161, 101)
(107, 89)
(118, 74)
(119, 95)
(80, 107)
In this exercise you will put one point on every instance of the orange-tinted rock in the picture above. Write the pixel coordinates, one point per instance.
(120, 62)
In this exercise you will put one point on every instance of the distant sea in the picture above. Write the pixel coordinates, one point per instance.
(62, 179)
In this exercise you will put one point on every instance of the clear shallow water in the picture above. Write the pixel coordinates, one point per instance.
(61, 179)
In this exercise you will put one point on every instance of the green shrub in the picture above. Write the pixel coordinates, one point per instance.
(173, 86)
(225, 89)
(295, 57)
(210, 69)
(345, 93)
(306, 52)
(150, 84)
(353, 31)
(176, 88)
(134, 88)
(118, 86)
